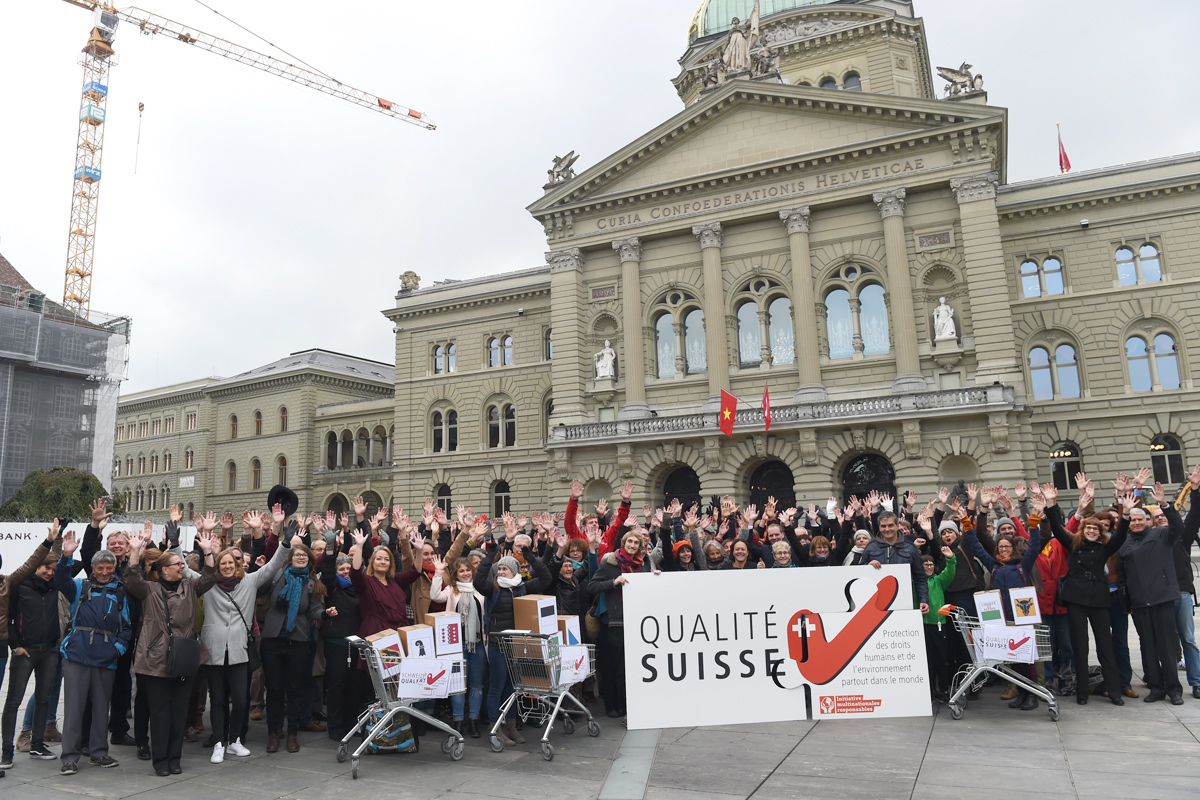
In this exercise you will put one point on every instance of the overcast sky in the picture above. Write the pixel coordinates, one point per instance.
(265, 218)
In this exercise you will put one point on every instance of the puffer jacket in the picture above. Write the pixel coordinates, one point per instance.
(1014, 574)
(9, 583)
(499, 605)
(150, 654)
(35, 621)
(344, 599)
(100, 629)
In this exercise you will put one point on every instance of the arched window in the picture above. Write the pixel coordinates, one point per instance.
(1041, 277)
(852, 83)
(839, 324)
(1065, 461)
(549, 413)
(1068, 371)
(493, 416)
(695, 350)
(153, 498)
(233, 427)
(548, 344)
(281, 471)
(502, 425)
(749, 335)
(874, 321)
(829, 83)
(501, 499)
(1144, 266)
(773, 479)
(451, 431)
(1138, 359)
(445, 501)
(867, 473)
(141, 465)
(439, 359)
(510, 426)
(153, 464)
(1054, 378)
(683, 484)
(191, 512)
(1166, 459)
(783, 337)
(231, 475)
(508, 351)
(1040, 374)
(1166, 361)
(189, 459)
(255, 474)
(450, 357)
(664, 345)
(493, 352)
(258, 423)
(166, 497)
(283, 419)
(437, 423)
(331, 450)
(166, 462)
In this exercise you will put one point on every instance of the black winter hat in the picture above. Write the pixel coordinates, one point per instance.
(285, 497)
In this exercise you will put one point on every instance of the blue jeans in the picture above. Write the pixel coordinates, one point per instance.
(1119, 618)
(1187, 635)
(500, 686)
(475, 667)
(1060, 643)
(51, 702)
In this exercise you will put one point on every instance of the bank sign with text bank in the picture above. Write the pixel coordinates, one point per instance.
(766, 645)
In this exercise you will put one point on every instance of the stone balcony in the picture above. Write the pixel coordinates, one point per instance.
(986, 400)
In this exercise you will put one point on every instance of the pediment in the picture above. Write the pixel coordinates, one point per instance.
(748, 123)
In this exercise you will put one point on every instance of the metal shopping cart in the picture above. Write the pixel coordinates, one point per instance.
(543, 673)
(385, 679)
(973, 675)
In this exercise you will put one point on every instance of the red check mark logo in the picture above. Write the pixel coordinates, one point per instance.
(821, 660)
(1012, 645)
(579, 663)
(431, 679)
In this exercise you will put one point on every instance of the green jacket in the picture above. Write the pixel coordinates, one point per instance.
(937, 593)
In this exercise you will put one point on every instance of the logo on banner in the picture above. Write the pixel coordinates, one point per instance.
(820, 661)
(849, 704)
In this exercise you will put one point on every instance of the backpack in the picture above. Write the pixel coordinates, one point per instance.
(85, 594)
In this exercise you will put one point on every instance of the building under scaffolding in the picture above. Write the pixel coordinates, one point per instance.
(60, 376)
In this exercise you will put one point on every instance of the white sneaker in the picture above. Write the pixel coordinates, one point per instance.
(218, 754)
(238, 749)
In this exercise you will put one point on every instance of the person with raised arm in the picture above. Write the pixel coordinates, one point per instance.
(591, 522)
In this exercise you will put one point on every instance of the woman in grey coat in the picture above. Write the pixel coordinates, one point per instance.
(227, 635)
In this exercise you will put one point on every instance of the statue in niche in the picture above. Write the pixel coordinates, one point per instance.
(606, 361)
(943, 321)
(743, 37)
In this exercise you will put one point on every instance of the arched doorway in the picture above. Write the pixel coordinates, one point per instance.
(868, 473)
(682, 484)
(373, 502)
(773, 479)
(338, 505)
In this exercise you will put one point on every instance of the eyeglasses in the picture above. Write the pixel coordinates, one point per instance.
(173, 564)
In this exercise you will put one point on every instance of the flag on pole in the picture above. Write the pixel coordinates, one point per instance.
(767, 407)
(1064, 163)
(728, 412)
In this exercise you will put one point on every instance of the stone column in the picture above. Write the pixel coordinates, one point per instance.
(804, 307)
(710, 237)
(909, 379)
(987, 281)
(568, 375)
(371, 451)
(630, 251)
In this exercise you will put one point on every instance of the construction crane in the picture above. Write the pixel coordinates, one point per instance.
(97, 60)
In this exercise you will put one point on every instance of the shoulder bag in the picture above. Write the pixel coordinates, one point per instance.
(183, 653)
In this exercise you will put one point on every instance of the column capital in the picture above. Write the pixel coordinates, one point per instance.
(709, 234)
(797, 220)
(568, 260)
(975, 187)
(629, 249)
(890, 203)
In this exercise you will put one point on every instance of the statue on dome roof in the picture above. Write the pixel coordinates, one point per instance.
(743, 37)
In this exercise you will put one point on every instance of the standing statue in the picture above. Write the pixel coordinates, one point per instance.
(605, 362)
(943, 321)
(742, 39)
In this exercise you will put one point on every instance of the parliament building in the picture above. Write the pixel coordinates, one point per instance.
(821, 219)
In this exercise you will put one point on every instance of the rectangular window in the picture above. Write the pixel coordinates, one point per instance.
(190, 421)
(170, 424)
(22, 394)
(65, 401)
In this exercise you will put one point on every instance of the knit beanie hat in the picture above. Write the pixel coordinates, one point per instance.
(477, 552)
(675, 548)
(947, 525)
(511, 563)
(1004, 521)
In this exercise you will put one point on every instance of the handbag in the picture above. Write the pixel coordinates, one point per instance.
(183, 653)
(253, 659)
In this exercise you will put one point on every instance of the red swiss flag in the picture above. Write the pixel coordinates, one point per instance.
(728, 412)
(767, 407)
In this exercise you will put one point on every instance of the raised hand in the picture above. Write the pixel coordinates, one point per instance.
(576, 489)
(728, 507)
(210, 521)
(1194, 478)
(1086, 496)
(626, 491)
(561, 541)
(70, 544)
(52, 534)
(947, 552)
(344, 521)
(749, 516)
(985, 496)
(252, 520)
(769, 508)
(925, 522)
(657, 519)
(1038, 504)
(198, 521)
(227, 522)
(1050, 493)
(1160, 494)
(943, 494)
(277, 515)
(1121, 483)
(1128, 501)
(377, 520)
(1144, 474)
(360, 507)
(910, 500)
(788, 515)
(359, 537)
(318, 523)
(261, 561)
(690, 521)
(100, 515)
(972, 493)
(397, 513)
(723, 529)
(330, 520)
(176, 513)
(602, 507)
(522, 521)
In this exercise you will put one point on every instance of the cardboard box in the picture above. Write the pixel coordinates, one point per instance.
(544, 648)
(568, 628)
(536, 612)
(447, 632)
(390, 649)
(417, 641)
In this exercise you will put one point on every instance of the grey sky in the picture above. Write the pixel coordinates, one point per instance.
(265, 218)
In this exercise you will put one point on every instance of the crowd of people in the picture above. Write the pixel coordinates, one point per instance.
(127, 626)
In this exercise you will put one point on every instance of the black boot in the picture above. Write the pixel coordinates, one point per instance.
(1018, 700)
(473, 728)
(1030, 702)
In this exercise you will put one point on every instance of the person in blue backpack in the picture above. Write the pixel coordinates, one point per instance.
(98, 634)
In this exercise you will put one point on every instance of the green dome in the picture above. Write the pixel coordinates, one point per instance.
(716, 16)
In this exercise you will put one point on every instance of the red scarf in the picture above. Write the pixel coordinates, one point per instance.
(627, 562)
(429, 570)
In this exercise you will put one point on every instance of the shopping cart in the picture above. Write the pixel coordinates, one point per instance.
(540, 684)
(972, 676)
(389, 704)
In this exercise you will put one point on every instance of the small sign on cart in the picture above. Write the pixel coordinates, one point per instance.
(422, 678)
(575, 664)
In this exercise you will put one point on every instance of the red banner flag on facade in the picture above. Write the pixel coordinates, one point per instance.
(728, 412)
(767, 407)
(1064, 163)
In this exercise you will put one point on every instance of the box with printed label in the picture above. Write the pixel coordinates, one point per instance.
(447, 632)
(536, 612)
(417, 641)
(387, 644)
(568, 628)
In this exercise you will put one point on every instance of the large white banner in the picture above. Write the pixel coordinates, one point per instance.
(18, 539)
(719, 648)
